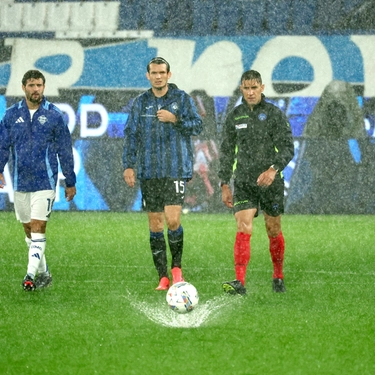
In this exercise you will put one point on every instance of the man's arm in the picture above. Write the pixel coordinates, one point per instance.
(227, 151)
(129, 155)
(188, 120)
(284, 143)
(65, 153)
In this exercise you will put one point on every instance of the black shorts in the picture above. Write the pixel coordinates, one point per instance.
(268, 199)
(160, 192)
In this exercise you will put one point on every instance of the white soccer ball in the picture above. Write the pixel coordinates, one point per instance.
(182, 297)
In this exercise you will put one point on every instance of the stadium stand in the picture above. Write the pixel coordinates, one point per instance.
(229, 15)
(67, 19)
(203, 18)
(29, 21)
(57, 17)
(253, 17)
(10, 18)
(278, 17)
(151, 15)
(129, 15)
(359, 17)
(302, 16)
(86, 23)
(176, 24)
(327, 14)
(189, 17)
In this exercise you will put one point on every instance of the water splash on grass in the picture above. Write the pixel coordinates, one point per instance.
(163, 315)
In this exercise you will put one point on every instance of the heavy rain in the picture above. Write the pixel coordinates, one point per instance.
(104, 312)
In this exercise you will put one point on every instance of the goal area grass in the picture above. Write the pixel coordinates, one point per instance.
(102, 314)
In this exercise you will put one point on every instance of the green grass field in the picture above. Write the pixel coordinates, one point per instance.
(103, 316)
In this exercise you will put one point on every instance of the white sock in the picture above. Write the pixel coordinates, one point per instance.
(43, 267)
(36, 252)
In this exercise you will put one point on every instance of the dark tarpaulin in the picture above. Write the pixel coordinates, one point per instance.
(335, 168)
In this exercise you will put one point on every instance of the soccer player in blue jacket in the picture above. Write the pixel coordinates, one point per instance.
(158, 146)
(34, 135)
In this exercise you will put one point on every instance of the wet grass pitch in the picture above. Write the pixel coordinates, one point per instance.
(103, 316)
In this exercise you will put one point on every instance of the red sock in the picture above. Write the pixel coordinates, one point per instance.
(277, 247)
(241, 255)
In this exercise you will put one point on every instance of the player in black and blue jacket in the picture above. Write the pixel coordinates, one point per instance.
(158, 146)
(34, 136)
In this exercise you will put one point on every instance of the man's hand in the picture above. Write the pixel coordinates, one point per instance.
(226, 196)
(165, 116)
(2, 181)
(129, 177)
(267, 177)
(70, 192)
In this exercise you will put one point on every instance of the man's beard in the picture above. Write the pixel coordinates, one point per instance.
(37, 100)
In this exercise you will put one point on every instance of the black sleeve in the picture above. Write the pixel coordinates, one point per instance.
(227, 149)
(283, 140)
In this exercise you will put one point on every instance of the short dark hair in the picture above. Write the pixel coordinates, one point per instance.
(32, 74)
(158, 60)
(251, 75)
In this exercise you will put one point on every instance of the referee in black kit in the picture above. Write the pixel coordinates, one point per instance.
(257, 145)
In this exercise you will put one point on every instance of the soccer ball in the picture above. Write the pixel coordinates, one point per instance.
(182, 297)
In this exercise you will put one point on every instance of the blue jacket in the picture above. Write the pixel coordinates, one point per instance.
(35, 146)
(161, 149)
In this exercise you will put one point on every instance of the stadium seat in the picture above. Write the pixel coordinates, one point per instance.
(130, 15)
(57, 16)
(278, 15)
(106, 15)
(302, 17)
(153, 14)
(82, 16)
(204, 16)
(11, 17)
(327, 14)
(228, 16)
(179, 17)
(349, 5)
(34, 16)
(300, 105)
(253, 17)
(298, 111)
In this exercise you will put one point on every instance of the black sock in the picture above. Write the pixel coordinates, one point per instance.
(159, 253)
(176, 245)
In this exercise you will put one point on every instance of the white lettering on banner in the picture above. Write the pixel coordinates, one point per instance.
(8, 188)
(25, 54)
(213, 71)
(309, 48)
(67, 108)
(366, 43)
(211, 64)
(93, 132)
(60, 176)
